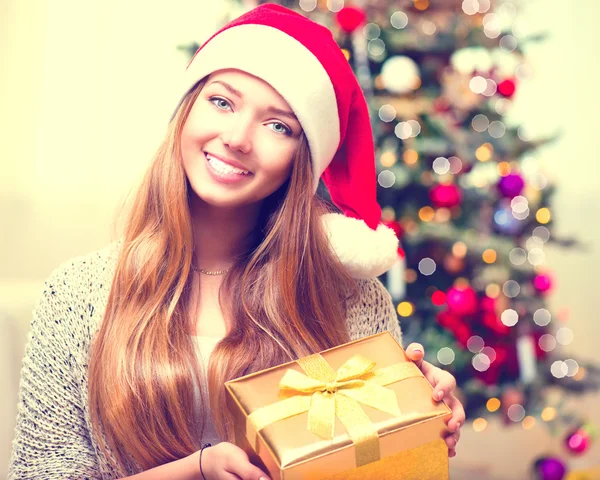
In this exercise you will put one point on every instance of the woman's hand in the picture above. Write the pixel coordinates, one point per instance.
(226, 461)
(444, 385)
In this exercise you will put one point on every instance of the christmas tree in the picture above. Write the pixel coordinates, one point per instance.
(469, 202)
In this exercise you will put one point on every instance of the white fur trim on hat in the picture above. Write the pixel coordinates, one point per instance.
(365, 252)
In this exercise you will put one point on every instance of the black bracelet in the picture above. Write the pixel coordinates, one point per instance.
(206, 445)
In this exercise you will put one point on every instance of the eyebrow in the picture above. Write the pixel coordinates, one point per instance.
(271, 109)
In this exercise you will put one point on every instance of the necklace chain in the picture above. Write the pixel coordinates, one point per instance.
(210, 272)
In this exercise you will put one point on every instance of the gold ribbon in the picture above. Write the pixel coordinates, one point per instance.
(325, 394)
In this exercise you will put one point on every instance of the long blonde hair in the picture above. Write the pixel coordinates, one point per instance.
(284, 298)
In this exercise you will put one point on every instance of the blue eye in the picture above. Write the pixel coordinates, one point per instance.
(285, 130)
(219, 99)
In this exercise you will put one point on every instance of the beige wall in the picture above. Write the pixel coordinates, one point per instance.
(82, 93)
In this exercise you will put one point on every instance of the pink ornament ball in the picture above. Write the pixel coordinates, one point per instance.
(447, 196)
(461, 300)
(542, 283)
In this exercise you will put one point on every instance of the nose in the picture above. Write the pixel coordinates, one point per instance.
(238, 134)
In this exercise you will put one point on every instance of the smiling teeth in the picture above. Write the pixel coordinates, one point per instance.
(223, 167)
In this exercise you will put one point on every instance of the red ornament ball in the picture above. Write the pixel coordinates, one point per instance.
(462, 300)
(350, 18)
(447, 196)
(578, 441)
(542, 283)
(438, 298)
(508, 87)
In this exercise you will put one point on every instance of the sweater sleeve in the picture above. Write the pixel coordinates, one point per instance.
(373, 311)
(51, 440)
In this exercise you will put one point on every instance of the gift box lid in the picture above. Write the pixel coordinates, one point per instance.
(290, 442)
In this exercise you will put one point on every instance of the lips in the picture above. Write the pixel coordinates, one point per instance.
(229, 163)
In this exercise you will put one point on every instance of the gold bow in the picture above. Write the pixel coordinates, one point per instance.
(325, 394)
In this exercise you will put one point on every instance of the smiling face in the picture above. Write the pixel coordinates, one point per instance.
(239, 140)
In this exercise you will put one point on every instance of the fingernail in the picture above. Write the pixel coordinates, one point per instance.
(418, 350)
(457, 426)
(263, 478)
(439, 395)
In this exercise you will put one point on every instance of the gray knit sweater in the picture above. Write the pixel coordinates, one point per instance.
(52, 438)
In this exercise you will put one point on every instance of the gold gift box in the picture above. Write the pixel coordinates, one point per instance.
(406, 444)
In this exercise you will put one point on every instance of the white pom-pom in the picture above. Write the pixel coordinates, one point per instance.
(365, 252)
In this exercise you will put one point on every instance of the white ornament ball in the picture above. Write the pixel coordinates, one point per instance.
(400, 75)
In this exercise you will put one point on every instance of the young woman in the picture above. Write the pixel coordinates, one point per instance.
(230, 263)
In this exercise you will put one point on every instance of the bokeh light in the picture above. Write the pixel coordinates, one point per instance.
(427, 266)
(475, 343)
(387, 113)
(484, 152)
(399, 20)
(536, 256)
(547, 342)
(493, 404)
(548, 414)
(445, 356)
(308, 5)
(376, 47)
(410, 157)
(371, 31)
(479, 424)
(335, 5)
(480, 123)
(517, 256)
(481, 362)
(388, 159)
(509, 317)
(386, 178)
(489, 256)
(478, 84)
(511, 288)
(516, 412)
(543, 215)
(572, 367)
(528, 422)
(497, 129)
(405, 309)
(559, 369)
(459, 249)
(564, 335)
(441, 165)
(542, 317)
(426, 214)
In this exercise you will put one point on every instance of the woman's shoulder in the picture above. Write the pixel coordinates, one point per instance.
(371, 311)
(75, 293)
(83, 275)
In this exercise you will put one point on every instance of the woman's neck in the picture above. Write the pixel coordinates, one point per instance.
(221, 233)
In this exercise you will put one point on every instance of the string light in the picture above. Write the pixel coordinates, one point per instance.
(421, 4)
(489, 256)
(543, 215)
(493, 404)
(528, 422)
(410, 157)
(388, 159)
(410, 275)
(459, 249)
(479, 424)
(405, 309)
(426, 214)
(548, 414)
(484, 152)
(504, 169)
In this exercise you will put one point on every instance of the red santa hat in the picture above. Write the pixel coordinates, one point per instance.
(301, 60)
